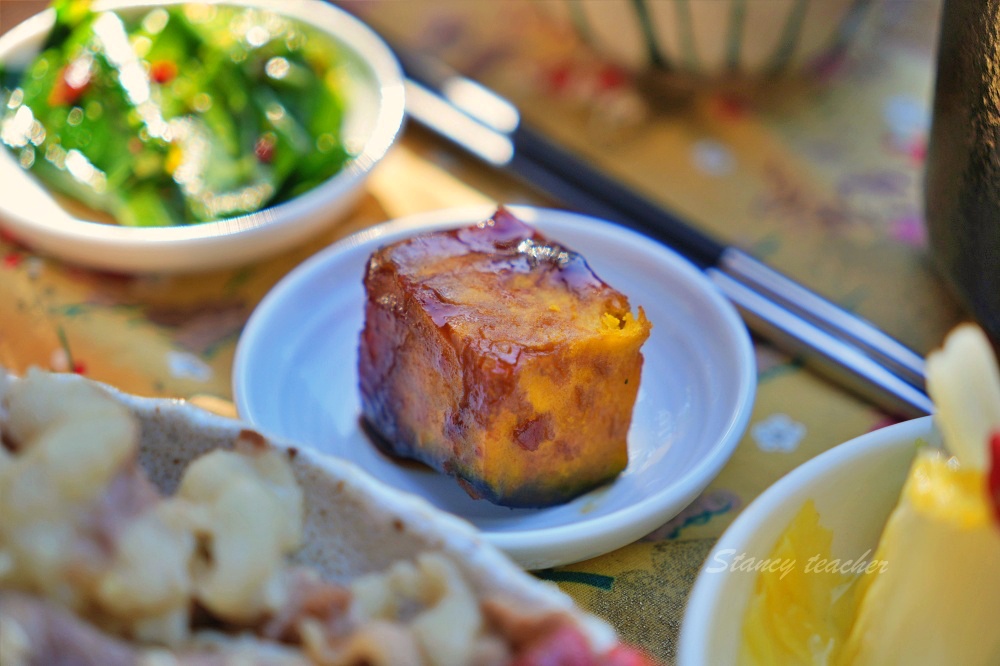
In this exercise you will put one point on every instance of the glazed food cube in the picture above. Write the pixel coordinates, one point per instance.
(496, 355)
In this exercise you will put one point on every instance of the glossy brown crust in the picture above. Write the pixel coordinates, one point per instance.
(498, 356)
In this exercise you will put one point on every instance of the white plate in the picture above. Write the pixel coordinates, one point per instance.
(295, 377)
(374, 117)
(854, 486)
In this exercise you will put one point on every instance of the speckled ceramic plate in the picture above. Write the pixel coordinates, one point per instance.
(353, 525)
(295, 376)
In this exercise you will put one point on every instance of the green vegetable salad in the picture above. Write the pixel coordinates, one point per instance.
(183, 114)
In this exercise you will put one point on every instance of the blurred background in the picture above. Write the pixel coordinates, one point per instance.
(795, 130)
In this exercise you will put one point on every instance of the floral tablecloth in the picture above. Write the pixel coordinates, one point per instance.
(821, 179)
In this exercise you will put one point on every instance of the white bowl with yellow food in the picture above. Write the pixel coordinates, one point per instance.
(876, 462)
(882, 550)
(194, 197)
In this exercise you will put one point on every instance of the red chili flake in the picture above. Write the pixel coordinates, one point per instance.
(610, 78)
(80, 368)
(731, 107)
(12, 260)
(65, 93)
(558, 77)
(264, 148)
(993, 476)
(163, 71)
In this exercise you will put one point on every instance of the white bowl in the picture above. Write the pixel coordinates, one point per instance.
(855, 486)
(374, 117)
(711, 38)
